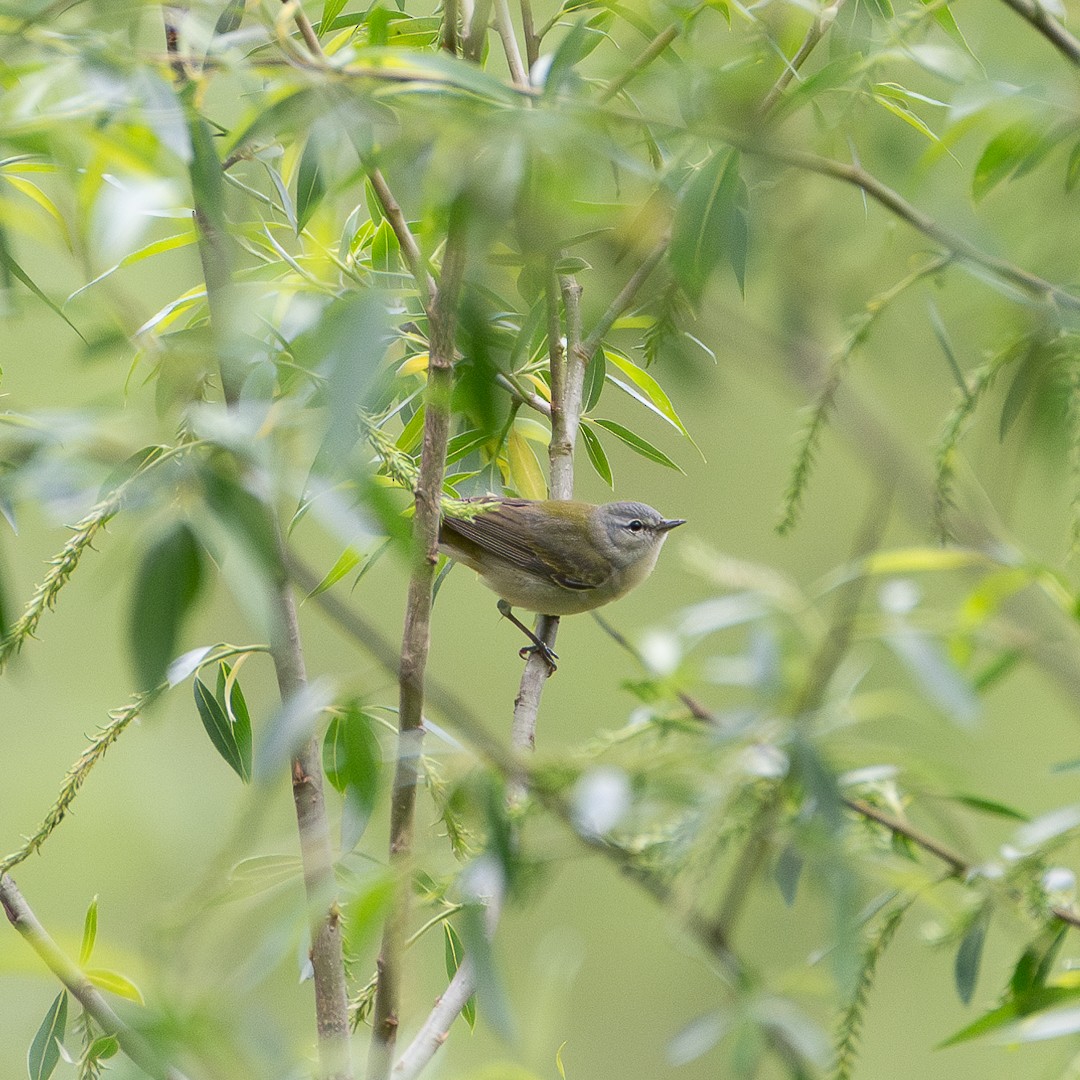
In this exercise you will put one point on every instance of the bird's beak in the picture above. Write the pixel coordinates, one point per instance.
(674, 523)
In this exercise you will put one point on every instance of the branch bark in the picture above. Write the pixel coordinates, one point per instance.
(415, 644)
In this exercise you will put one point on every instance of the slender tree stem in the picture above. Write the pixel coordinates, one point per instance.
(818, 29)
(532, 40)
(1040, 18)
(415, 645)
(473, 45)
(504, 26)
(448, 35)
(23, 919)
(642, 61)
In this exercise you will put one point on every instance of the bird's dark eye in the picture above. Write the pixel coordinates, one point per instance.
(636, 526)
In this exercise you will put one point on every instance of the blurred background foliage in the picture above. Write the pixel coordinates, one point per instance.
(836, 740)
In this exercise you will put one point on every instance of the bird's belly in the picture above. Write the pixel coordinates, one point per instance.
(545, 597)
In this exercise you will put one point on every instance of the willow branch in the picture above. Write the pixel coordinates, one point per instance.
(415, 644)
(473, 44)
(960, 247)
(23, 919)
(1040, 18)
(436, 1027)
(818, 29)
(625, 298)
(640, 62)
(307, 31)
(448, 34)
(532, 39)
(504, 27)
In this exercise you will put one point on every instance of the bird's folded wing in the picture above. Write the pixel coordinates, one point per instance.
(515, 532)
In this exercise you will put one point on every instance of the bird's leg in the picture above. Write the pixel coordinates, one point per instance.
(537, 645)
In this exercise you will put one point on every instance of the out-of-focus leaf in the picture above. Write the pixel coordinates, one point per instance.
(365, 913)
(454, 953)
(989, 806)
(89, 935)
(288, 115)
(573, 48)
(787, 873)
(942, 683)
(710, 224)
(945, 19)
(331, 10)
(10, 268)
(115, 983)
(351, 761)
(1010, 153)
(1036, 962)
(207, 177)
(310, 183)
(1024, 382)
(35, 194)
(1072, 169)
(969, 957)
(290, 728)
(597, 457)
(44, 1051)
(698, 1037)
(883, 9)
(246, 517)
(525, 470)
(166, 586)
(412, 432)
(637, 443)
(158, 247)
(103, 1048)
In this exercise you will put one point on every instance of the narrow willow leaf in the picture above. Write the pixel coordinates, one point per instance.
(411, 433)
(969, 957)
(44, 1050)
(637, 443)
(787, 873)
(352, 761)
(1072, 169)
(310, 183)
(525, 470)
(231, 698)
(710, 224)
(348, 559)
(10, 268)
(945, 19)
(594, 380)
(246, 517)
(89, 932)
(331, 10)
(166, 586)
(158, 247)
(990, 806)
(34, 193)
(216, 722)
(597, 457)
(1010, 153)
(115, 983)
(385, 250)
(900, 110)
(1004, 1016)
(454, 953)
(649, 386)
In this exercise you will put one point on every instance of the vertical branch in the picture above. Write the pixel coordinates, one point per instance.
(448, 36)
(476, 31)
(532, 38)
(316, 851)
(415, 644)
(505, 27)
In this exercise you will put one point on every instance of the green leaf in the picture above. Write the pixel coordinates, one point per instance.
(1072, 169)
(637, 443)
(710, 224)
(207, 176)
(347, 560)
(352, 760)
(44, 1050)
(245, 516)
(385, 250)
(103, 1048)
(89, 932)
(900, 110)
(166, 586)
(990, 806)
(10, 268)
(649, 386)
(597, 456)
(1011, 153)
(1005, 1015)
(310, 185)
(236, 710)
(331, 10)
(788, 871)
(454, 953)
(593, 384)
(216, 721)
(969, 957)
(115, 983)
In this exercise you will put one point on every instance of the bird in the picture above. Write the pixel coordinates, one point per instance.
(554, 556)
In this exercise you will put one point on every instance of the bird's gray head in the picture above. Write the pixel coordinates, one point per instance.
(633, 531)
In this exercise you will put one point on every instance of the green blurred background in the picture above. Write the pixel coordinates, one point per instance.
(590, 964)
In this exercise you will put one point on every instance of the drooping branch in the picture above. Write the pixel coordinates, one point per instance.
(818, 29)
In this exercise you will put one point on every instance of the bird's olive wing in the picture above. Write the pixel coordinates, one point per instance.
(527, 537)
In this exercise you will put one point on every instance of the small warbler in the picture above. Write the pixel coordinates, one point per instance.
(556, 557)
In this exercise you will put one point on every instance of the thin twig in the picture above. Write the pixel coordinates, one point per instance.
(415, 644)
(818, 29)
(640, 62)
(23, 919)
(504, 26)
(307, 31)
(1039, 17)
(473, 44)
(532, 40)
(448, 34)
